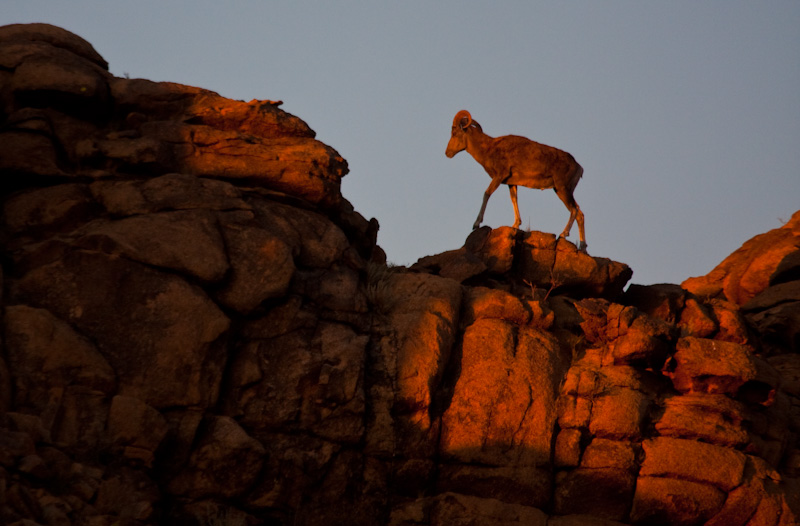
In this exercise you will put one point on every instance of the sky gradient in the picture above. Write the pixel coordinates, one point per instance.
(684, 115)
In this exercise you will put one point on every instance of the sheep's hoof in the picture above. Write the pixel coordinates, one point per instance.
(582, 247)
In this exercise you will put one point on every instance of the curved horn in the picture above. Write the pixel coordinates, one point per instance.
(462, 119)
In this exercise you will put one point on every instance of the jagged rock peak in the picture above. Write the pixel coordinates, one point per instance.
(66, 117)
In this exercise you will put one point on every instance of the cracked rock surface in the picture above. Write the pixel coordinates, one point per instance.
(197, 328)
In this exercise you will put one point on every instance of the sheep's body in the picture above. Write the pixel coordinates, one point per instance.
(516, 161)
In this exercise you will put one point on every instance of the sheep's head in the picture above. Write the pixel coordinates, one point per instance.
(458, 137)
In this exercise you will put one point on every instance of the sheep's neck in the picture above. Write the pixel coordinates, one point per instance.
(477, 146)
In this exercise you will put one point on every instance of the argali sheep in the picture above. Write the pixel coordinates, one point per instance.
(516, 161)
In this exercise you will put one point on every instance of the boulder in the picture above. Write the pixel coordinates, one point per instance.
(664, 301)
(165, 101)
(62, 80)
(498, 364)
(788, 366)
(309, 380)
(788, 269)
(626, 334)
(173, 191)
(482, 302)
(128, 493)
(15, 446)
(697, 320)
(316, 241)
(732, 325)
(45, 353)
(695, 461)
(598, 492)
(135, 428)
(29, 154)
(515, 484)
(675, 502)
(454, 508)
(603, 485)
(261, 263)
(458, 265)
(610, 402)
(775, 314)
(495, 248)
(514, 369)
(160, 324)
(412, 348)
(567, 452)
(226, 461)
(187, 241)
(532, 259)
(27, 36)
(710, 366)
(575, 272)
(36, 212)
(712, 418)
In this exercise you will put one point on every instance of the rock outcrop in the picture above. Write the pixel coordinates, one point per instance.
(767, 259)
(199, 329)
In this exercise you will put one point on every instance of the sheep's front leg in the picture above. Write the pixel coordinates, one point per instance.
(478, 221)
(486, 195)
(512, 189)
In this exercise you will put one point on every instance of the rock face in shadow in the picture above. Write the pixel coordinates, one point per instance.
(199, 329)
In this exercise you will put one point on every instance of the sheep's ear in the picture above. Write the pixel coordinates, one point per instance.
(464, 122)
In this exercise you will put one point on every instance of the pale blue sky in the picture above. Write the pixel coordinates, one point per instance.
(685, 115)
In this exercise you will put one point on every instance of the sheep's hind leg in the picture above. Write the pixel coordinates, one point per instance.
(574, 213)
(582, 244)
(565, 233)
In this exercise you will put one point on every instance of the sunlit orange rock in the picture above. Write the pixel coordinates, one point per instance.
(716, 419)
(711, 366)
(483, 302)
(692, 460)
(746, 272)
(529, 259)
(494, 366)
(514, 371)
(412, 346)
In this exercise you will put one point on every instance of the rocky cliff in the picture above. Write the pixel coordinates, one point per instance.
(199, 329)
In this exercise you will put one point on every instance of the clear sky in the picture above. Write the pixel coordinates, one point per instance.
(685, 115)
